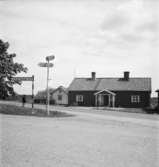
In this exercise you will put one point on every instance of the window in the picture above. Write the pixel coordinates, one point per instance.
(79, 98)
(59, 97)
(135, 99)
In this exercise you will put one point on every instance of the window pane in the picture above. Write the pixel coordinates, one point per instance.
(59, 97)
(135, 98)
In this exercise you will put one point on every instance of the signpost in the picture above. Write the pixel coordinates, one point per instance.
(27, 79)
(49, 58)
(23, 78)
(48, 65)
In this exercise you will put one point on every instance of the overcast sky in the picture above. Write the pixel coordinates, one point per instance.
(105, 36)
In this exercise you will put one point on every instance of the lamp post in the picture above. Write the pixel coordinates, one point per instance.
(48, 65)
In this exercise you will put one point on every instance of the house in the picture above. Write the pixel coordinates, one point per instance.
(112, 92)
(60, 96)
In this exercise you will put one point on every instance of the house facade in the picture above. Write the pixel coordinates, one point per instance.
(60, 96)
(112, 92)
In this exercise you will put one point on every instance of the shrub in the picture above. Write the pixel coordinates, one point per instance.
(151, 110)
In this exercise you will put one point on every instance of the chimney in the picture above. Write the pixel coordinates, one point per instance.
(126, 75)
(93, 76)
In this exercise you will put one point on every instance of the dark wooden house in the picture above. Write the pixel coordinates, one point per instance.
(112, 92)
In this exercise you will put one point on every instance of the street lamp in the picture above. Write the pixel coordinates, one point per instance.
(48, 65)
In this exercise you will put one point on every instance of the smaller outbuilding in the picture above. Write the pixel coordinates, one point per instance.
(60, 96)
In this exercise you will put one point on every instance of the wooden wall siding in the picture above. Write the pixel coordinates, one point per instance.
(122, 98)
(64, 100)
(88, 98)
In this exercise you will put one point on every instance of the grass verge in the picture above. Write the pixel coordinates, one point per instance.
(17, 110)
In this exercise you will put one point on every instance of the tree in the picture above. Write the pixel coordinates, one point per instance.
(8, 70)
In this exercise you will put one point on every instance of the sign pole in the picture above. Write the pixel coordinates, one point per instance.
(48, 65)
(33, 92)
(48, 97)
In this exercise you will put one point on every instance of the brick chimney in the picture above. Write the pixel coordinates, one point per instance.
(126, 75)
(93, 76)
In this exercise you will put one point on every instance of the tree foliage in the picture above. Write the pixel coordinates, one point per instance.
(8, 70)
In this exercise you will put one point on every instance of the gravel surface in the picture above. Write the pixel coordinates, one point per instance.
(80, 141)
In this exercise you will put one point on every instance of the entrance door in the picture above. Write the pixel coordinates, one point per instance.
(106, 100)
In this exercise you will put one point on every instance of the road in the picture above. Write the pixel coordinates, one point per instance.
(85, 140)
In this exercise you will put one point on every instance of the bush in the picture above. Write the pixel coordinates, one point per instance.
(43, 101)
(152, 110)
(40, 101)
(157, 109)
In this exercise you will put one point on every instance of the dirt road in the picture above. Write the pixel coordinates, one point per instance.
(86, 140)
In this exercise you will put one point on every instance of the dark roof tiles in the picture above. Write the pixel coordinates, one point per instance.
(133, 84)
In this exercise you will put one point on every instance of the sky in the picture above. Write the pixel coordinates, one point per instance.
(105, 36)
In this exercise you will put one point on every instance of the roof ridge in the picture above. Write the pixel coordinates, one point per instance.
(114, 78)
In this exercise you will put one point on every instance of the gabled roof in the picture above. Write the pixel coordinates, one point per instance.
(112, 84)
(103, 91)
(60, 88)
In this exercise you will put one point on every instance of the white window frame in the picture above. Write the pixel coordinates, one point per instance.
(135, 99)
(79, 98)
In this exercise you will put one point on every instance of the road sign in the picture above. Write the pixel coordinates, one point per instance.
(45, 64)
(48, 58)
(23, 78)
(27, 79)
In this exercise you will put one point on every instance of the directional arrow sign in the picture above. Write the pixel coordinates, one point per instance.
(23, 78)
(48, 58)
(45, 64)
(42, 64)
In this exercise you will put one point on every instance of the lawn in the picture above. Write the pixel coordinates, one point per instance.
(17, 110)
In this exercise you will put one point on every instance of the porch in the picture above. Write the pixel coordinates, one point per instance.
(105, 98)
